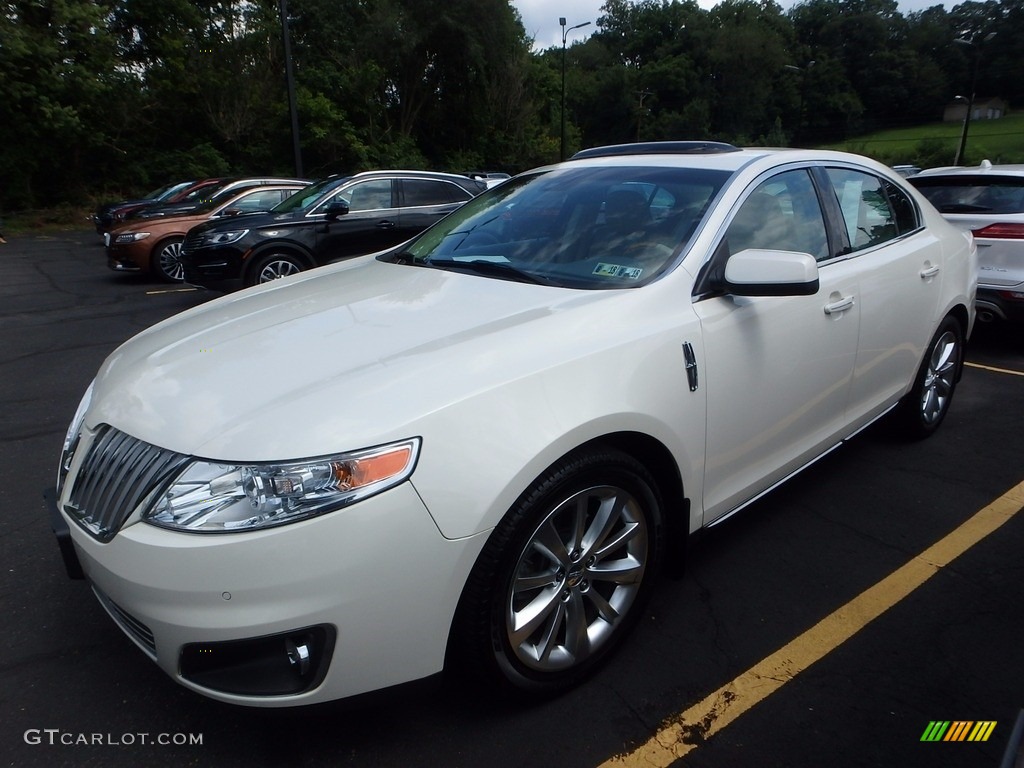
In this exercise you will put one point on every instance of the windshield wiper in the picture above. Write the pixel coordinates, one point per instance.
(498, 269)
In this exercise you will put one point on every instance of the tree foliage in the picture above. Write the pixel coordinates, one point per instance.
(107, 97)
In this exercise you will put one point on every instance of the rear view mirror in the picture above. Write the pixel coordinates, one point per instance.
(756, 272)
(336, 208)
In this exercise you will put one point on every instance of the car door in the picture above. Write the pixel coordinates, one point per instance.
(777, 368)
(900, 268)
(424, 201)
(370, 225)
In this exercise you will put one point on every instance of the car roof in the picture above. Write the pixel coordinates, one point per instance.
(680, 154)
(986, 168)
(406, 172)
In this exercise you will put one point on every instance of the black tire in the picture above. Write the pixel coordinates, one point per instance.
(166, 260)
(273, 266)
(925, 406)
(573, 562)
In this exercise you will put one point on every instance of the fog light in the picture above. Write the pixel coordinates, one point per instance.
(274, 665)
(298, 656)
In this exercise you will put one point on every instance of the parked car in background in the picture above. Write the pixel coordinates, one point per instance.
(477, 449)
(199, 196)
(988, 201)
(154, 245)
(906, 171)
(110, 215)
(490, 178)
(336, 218)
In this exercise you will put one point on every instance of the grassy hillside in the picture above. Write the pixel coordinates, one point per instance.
(935, 144)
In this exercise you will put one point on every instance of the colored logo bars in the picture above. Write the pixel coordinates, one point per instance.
(958, 730)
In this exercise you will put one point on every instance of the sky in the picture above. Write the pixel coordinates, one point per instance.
(540, 17)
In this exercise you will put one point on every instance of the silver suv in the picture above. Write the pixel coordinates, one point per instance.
(989, 201)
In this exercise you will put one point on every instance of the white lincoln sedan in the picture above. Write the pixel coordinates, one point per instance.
(475, 451)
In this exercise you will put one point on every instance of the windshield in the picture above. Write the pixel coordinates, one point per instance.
(307, 197)
(204, 193)
(161, 192)
(579, 227)
(222, 197)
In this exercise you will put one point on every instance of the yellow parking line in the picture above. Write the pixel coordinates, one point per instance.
(684, 732)
(996, 370)
(171, 290)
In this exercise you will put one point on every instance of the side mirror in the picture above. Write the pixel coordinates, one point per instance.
(336, 208)
(755, 272)
(231, 211)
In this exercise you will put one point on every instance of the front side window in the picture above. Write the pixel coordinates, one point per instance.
(579, 227)
(781, 214)
(865, 206)
(370, 195)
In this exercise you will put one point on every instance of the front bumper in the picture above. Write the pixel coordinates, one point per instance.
(377, 578)
(131, 258)
(218, 267)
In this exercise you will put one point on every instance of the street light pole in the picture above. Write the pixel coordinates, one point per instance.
(565, 32)
(290, 82)
(975, 45)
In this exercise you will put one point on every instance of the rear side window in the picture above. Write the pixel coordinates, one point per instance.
(420, 192)
(973, 194)
(865, 206)
(903, 208)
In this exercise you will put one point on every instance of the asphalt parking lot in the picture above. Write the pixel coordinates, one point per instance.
(766, 649)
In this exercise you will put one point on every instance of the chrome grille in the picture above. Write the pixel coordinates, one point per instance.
(192, 241)
(116, 476)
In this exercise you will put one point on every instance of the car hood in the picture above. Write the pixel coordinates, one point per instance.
(343, 357)
(110, 207)
(258, 220)
(167, 209)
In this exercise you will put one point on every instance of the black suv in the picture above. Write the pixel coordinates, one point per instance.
(335, 218)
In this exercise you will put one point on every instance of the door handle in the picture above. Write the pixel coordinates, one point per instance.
(385, 224)
(931, 271)
(842, 305)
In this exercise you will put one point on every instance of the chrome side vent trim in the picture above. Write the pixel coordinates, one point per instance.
(135, 629)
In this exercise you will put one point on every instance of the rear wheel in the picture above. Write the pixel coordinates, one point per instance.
(926, 405)
(166, 260)
(564, 576)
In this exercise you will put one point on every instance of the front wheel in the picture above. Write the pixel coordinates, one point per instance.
(274, 266)
(927, 403)
(565, 574)
(166, 260)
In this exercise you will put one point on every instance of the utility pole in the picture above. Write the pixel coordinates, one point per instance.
(290, 82)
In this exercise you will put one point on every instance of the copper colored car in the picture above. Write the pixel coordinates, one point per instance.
(154, 245)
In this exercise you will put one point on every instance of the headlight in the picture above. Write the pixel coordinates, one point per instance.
(225, 498)
(131, 237)
(225, 238)
(71, 438)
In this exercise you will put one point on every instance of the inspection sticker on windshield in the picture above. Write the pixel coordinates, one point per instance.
(614, 270)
